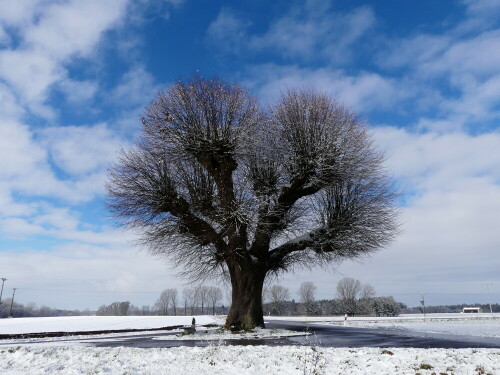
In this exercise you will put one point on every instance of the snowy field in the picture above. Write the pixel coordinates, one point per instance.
(82, 358)
(98, 323)
(247, 360)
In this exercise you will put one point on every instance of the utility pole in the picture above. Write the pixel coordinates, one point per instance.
(422, 301)
(489, 297)
(12, 302)
(1, 291)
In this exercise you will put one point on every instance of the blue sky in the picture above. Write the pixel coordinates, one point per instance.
(76, 75)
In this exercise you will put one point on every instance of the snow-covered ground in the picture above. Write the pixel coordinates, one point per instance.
(401, 318)
(107, 323)
(481, 325)
(223, 335)
(98, 323)
(80, 358)
(489, 322)
(247, 360)
(480, 328)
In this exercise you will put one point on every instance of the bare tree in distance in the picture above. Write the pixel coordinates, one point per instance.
(214, 295)
(367, 291)
(277, 296)
(354, 296)
(223, 187)
(366, 296)
(163, 302)
(265, 293)
(201, 296)
(173, 299)
(306, 294)
(188, 298)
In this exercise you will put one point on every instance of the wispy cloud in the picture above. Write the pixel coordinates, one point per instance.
(309, 31)
(362, 92)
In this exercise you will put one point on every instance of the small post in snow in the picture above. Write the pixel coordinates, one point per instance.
(345, 320)
(189, 330)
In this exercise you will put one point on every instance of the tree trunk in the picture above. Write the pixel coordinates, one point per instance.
(246, 307)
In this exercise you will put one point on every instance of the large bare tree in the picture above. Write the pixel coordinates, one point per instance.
(221, 186)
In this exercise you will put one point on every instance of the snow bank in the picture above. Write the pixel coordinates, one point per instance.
(246, 360)
(390, 319)
(479, 328)
(98, 323)
(224, 335)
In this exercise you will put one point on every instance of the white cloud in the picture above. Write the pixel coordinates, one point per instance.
(57, 218)
(77, 275)
(9, 206)
(47, 221)
(29, 73)
(78, 92)
(49, 37)
(312, 32)
(481, 7)
(17, 228)
(144, 10)
(309, 31)
(135, 89)
(18, 153)
(18, 13)
(9, 107)
(72, 27)
(81, 149)
(63, 30)
(362, 92)
(481, 14)
(462, 67)
(435, 162)
(228, 31)
(4, 37)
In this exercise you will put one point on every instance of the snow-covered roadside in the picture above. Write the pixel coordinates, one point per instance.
(389, 319)
(223, 335)
(202, 334)
(480, 325)
(248, 360)
(479, 328)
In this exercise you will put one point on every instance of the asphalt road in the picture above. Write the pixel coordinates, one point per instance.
(321, 335)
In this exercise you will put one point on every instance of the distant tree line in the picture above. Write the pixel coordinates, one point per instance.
(353, 298)
(446, 309)
(199, 300)
(20, 310)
